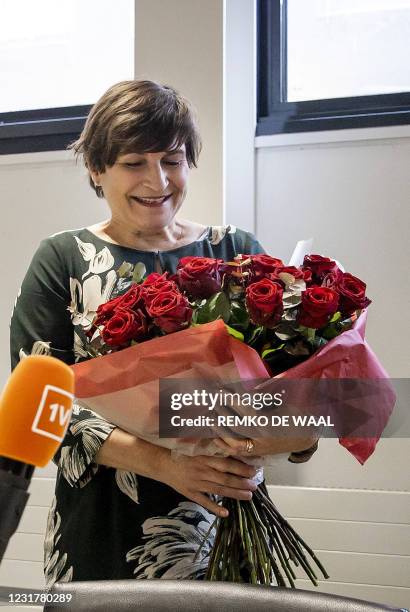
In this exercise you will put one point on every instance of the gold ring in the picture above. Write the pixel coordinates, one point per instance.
(250, 445)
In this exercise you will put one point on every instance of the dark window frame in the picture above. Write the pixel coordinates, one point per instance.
(276, 115)
(49, 129)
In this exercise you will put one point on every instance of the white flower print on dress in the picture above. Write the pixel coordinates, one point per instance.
(39, 348)
(15, 301)
(128, 483)
(219, 231)
(78, 347)
(172, 542)
(86, 298)
(86, 435)
(99, 262)
(55, 563)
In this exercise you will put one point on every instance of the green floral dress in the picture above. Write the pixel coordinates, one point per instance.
(106, 523)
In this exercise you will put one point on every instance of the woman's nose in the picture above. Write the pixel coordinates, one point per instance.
(156, 178)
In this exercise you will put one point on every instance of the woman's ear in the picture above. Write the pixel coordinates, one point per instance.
(95, 177)
(95, 182)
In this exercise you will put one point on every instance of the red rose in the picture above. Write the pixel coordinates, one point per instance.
(171, 311)
(162, 286)
(154, 284)
(105, 311)
(320, 266)
(154, 277)
(131, 299)
(123, 326)
(295, 272)
(307, 275)
(332, 278)
(352, 293)
(318, 305)
(264, 302)
(199, 276)
(264, 264)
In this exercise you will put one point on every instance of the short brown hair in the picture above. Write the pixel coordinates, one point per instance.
(137, 117)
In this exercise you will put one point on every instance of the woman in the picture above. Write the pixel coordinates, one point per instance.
(125, 508)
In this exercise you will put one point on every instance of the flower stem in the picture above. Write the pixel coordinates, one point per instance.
(247, 541)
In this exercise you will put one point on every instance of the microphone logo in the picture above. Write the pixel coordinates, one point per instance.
(54, 413)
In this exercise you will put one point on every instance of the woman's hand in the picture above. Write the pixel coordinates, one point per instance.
(263, 446)
(197, 477)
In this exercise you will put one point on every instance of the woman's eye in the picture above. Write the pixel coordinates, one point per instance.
(173, 163)
(139, 164)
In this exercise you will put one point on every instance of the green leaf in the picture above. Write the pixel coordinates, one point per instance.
(287, 278)
(329, 332)
(290, 315)
(297, 349)
(285, 331)
(270, 351)
(216, 307)
(319, 342)
(139, 272)
(345, 324)
(221, 307)
(235, 291)
(290, 300)
(96, 343)
(336, 317)
(125, 270)
(235, 333)
(194, 324)
(201, 316)
(298, 286)
(256, 334)
(336, 326)
(239, 315)
(307, 332)
(292, 288)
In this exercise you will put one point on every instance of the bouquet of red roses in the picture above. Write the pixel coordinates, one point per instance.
(274, 308)
(250, 318)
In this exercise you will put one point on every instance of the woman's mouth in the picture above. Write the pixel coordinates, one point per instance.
(151, 202)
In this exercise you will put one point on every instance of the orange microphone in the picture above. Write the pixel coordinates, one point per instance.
(35, 411)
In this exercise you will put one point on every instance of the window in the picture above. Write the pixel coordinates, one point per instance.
(56, 59)
(332, 64)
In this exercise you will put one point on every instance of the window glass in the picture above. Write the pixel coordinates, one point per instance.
(57, 53)
(346, 48)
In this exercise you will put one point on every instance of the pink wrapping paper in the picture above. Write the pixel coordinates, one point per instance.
(349, 356)
(123, 387)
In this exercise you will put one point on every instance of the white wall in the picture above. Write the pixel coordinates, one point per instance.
(239, 117)
(42, 193)
(180, 42)
(352, 196)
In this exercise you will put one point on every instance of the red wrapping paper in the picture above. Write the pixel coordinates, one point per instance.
(123, 387)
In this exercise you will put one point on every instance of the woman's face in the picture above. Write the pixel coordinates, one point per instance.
(144, 191)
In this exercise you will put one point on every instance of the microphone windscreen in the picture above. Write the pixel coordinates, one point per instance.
(35, 409)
